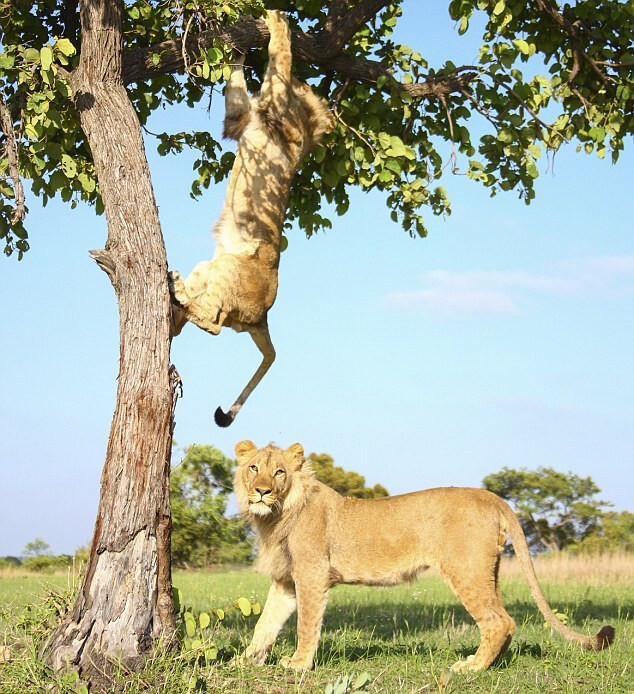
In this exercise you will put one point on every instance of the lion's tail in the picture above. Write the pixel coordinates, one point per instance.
(593, 643)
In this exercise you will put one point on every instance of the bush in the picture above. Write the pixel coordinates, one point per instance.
(46, 563)
(9, 562)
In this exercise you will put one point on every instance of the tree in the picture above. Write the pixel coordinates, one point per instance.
(201, 533)
(75, 88)
(36, 548)
(556, 509)
(614, 534)
(346, 483)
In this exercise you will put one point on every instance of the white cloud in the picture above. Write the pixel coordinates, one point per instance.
(448, 293)
(454, 301)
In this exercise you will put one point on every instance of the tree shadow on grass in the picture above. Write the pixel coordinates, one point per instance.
(361, 632)
(387, 620)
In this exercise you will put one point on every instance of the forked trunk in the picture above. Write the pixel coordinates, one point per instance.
(125, 600)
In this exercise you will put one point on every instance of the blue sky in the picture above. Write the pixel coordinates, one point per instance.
(504, 338)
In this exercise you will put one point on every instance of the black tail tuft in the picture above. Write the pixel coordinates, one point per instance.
(604, 638)
(224, 420)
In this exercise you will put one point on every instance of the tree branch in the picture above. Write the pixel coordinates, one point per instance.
(11, 149)
(322, 50)
(573, 30)
(346, 23)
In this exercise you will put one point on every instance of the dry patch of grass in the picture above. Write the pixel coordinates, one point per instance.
(593, 569)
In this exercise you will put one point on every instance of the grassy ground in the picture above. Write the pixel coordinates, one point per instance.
(404, 638)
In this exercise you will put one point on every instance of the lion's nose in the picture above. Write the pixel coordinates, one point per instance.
(262, 492)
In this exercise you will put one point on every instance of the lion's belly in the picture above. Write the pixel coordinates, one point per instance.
(378, 564)
(390, 541)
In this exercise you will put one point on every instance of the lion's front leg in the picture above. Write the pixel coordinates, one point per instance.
(280, 605)
(311, 586)
(177, 289)
(237, 103)
(276, 86)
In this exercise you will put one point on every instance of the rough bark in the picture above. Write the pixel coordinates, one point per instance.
(125, 601)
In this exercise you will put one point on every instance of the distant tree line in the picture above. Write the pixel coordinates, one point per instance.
(558, 511)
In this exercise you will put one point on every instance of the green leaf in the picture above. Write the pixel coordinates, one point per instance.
(393, 165)
(32, 55)
(531, 169)
(522, 46)
(505, 135)
(362, 681)
(204, 620)
(255, 607)
(499, 7)
(221, 613)
(535, 150)
(211, 653)
(46, 57)
(190, 623)
(384, 140)
(381, 80)
(30, 131)
(68, 166)
(65, 47)
(243, 605)
(87, 183)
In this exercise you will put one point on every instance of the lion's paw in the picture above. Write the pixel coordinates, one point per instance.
(467, 665)
(277, 24)
(295, 663)
(177, 288)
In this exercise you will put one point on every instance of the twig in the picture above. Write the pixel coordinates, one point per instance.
(353, 130)
(481, 110)
(524, 105)
(11, 149)
(184, 44)
(584, 101)
(453, 156)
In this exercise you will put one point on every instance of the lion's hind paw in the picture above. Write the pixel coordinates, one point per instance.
(292, 663)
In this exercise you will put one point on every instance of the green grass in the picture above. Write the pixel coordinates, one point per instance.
(405, 638)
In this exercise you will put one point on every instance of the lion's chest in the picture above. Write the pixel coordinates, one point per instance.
(274, 560)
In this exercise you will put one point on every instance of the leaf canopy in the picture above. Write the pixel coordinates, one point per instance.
(544, 76)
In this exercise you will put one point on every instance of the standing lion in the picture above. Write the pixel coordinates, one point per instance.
(312, 538)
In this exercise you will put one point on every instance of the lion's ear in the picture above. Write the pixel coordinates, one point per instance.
(296, 454)
(244, 448)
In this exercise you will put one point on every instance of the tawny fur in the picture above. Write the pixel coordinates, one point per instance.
(274, 131)
(311, 538)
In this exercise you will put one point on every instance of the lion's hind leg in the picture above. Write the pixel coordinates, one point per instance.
(199, 299)
(475, 583)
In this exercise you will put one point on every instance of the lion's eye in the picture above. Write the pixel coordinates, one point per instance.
(253, 468)
(278, 473)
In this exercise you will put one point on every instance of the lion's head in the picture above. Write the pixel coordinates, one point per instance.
(269, 480)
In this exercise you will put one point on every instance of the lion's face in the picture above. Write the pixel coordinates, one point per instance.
(264, 477)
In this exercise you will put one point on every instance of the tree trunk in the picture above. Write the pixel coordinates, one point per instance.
(125, 600)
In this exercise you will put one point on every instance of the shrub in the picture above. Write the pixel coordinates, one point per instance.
(46, 563)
